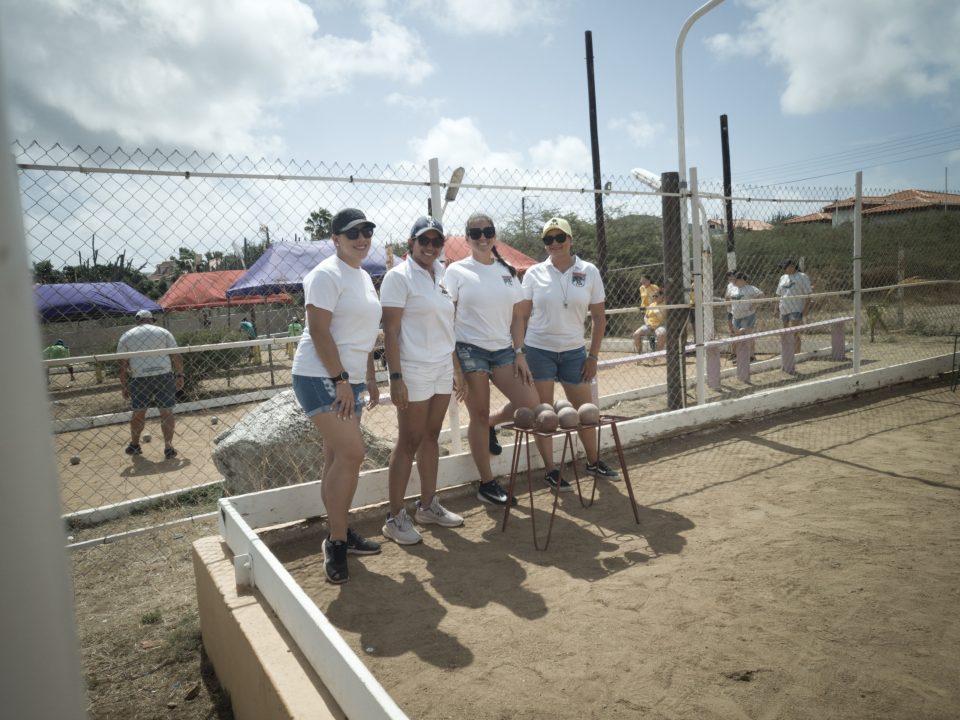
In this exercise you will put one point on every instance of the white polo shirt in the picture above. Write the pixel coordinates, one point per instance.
(485, 296)
(561, 302)
(426, 326)
(348, 293)
(790, 285)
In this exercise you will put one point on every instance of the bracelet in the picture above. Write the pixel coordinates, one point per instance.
(591, 356)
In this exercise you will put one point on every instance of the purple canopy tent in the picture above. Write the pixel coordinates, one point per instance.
(83, 301)
(284, 265)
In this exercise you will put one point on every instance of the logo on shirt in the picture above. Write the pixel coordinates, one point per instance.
(443, 290)
(579, 279)
(508, 280)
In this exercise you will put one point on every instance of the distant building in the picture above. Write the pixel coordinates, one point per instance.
(739, 224)
(882, 207)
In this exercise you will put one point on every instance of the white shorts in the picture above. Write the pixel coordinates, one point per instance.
(424, 381)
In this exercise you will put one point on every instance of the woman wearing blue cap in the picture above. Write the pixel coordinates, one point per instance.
(419, 340)
(334, 354)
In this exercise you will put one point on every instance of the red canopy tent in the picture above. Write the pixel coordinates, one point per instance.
(194, 291)
(456, 248)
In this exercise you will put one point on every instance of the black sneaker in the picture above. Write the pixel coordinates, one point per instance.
(133, 450)
(495, 447)
(492, 494)
(169, 453)
(601, 469)
(357, 544)
(335, 561)
(556, 482)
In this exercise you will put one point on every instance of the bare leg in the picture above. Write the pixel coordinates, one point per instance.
(411, 424)
(521, 395)
(345, 444)
(137, 421)
(168, 422)
(428, 452)
(478, 431)
(579, 394)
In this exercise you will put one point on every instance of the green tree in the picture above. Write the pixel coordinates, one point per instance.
(45, 274)
(317, 225)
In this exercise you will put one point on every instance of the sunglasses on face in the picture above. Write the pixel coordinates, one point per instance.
(487, 232)
(437, 242)
(551, 239)
(354, 233)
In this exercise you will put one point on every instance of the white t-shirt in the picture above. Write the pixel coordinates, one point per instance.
(348, 293)
(790, 285)
(485, 296)
(561, 303)
(741, 307)
(426, 326)
(147, 337)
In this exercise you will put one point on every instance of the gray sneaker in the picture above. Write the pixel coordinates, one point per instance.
(437, 514)
(601, 469)
(400, 529)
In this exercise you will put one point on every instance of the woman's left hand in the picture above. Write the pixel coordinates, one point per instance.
(589, 371)
(522, 370)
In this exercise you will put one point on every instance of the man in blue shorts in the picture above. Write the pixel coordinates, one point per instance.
(150, 381)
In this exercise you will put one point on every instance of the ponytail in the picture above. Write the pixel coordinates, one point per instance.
(508, 266)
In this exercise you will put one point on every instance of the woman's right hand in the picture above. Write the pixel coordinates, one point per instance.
(398, 394)
(343, 404)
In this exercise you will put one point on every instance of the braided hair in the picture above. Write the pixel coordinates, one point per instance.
(493, 248)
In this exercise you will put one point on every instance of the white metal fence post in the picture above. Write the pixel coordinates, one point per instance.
(857, 294)
(698, 309)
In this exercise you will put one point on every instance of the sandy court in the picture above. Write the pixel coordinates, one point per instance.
(799, 566)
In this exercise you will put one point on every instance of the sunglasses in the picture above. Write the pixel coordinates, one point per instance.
(437, 242)
(354, 233)
(487, 232)
(551, 239)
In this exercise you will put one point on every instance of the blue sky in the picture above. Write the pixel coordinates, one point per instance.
(810, 87)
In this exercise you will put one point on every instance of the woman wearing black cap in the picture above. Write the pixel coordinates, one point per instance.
(418, 339)
(335, 352)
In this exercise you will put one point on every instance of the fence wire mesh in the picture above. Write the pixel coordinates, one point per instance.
(217, 248)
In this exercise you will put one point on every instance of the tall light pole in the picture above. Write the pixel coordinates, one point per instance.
(523, 215)
(681, 143)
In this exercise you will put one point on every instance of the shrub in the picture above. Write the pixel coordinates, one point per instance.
(199, 366)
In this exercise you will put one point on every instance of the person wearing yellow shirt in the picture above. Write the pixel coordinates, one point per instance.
(647, 289)
(654, 326)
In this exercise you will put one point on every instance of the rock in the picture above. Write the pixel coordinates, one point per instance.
(146, 437)
(523, 418)
(74, 459)
(589, 414)
(568, 418)
(214, 420)
(547, 421)
(275, 445)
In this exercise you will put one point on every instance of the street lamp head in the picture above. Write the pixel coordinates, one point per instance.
(646, 177)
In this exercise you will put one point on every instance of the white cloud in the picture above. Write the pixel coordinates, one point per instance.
(192, 74)
(458, 141)
(416, 103)
(853, 52)
(562, 153)
(496, 17)
(639, 128)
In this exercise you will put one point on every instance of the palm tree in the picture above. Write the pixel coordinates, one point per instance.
(317, 226)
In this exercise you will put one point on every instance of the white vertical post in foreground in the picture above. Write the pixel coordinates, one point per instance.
(857, 294)
(40, 674)
(436, 208)
(698, 308)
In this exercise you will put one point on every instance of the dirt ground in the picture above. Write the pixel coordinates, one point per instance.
(805, 565)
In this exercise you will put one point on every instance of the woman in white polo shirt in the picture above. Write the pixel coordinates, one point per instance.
(418, 339)
(335, 352)
(559, 293)
(489, 332)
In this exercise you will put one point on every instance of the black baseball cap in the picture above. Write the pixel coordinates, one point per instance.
(348, 218)
(423, 224)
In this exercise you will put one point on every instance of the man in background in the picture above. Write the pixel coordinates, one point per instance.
(150, 381)
(58, 351)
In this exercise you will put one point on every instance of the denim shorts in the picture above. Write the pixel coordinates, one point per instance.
(791, 316)
(477, 359)
(316, 394)
(745, 323)
(153, 391)
(564, 366)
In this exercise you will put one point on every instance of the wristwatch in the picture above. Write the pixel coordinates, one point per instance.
(342, 377)
(396, 376)
(518, 351)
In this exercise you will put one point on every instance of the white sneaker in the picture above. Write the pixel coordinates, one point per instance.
(437, 514)
(400, 529)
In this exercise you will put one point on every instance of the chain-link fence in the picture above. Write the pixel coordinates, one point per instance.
(216, 248)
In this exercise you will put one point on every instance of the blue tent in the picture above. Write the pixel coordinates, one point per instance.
(82, 301)
(284, 265)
